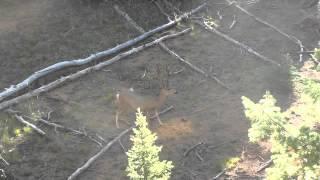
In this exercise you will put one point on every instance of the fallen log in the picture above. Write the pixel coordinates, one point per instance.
(169, 51)
(96, 156)
(247, 48)
(78, 62)
(78, 74)
(290, 37)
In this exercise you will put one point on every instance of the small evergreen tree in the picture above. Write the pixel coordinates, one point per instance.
(295, 148)
(143, 157)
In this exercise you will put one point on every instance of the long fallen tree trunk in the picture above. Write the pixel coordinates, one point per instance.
(78, 74)
(78, 62)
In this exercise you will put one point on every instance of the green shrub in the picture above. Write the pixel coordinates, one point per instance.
(143, 157)
(295, 148)
(316, 54)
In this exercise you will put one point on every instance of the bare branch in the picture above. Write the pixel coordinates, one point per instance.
(218, 175)
(6, 162)
(265, 165)
(96, 156)
(34, 127)
(247, 48)
(186, 153)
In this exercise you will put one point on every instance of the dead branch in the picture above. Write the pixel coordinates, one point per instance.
(292, 38)
(218, 175)
(262, 21)
(162, 112)
(234, 21)
(176, 72)
(186, 153)
(172, 6)
(247, 48)
(305, 52)
(78, 74)
(172, 53)
(96, 156)
(122, 146)
(161, 10)
(34, 127)
(265, 165)
(5, 161)
(67, 129)
(199, 156)
(97, 56)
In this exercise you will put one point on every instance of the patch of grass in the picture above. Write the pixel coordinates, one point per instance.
(232, 162)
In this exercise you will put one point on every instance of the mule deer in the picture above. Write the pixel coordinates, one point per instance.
(129, 101)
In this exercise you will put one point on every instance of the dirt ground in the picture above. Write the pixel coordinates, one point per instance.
(38, 33)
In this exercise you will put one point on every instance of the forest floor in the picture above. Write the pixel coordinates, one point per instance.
(37, 33)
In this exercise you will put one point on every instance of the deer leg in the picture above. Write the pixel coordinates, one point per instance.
(117, 118)
(158, 118)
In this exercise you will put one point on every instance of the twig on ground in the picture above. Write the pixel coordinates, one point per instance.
(305, 52)
(176, 72)
(83, 72)
(97, 56)
(56, 126)
(221, 144)
(171, 5)
(34, 127)
(199, 156)
(101, 138)
(96, 156)
(162, 112)
(23, 121)
(228, 38)
(77, 132)
(265, 165)
(161, 10)
(233, 22)
(6, 162)
(94, 140)
(186, 153)
(122, 147)
(218, 175)
(292, 38)
(172, 53)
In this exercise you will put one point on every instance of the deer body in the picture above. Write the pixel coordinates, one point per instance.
(129, 101)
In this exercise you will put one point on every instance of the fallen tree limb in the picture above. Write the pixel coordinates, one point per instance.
(34, 127)
(78, 62)
(23, 121)
(218, 175)
(162, 112)
(247, 48)
(292, 38)
(186, 153)
(103, 150)
(67, 129)
(265, 165)
(96, 156)
(169, 51)
(5, 161)
(78, 74)
(262, 21)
